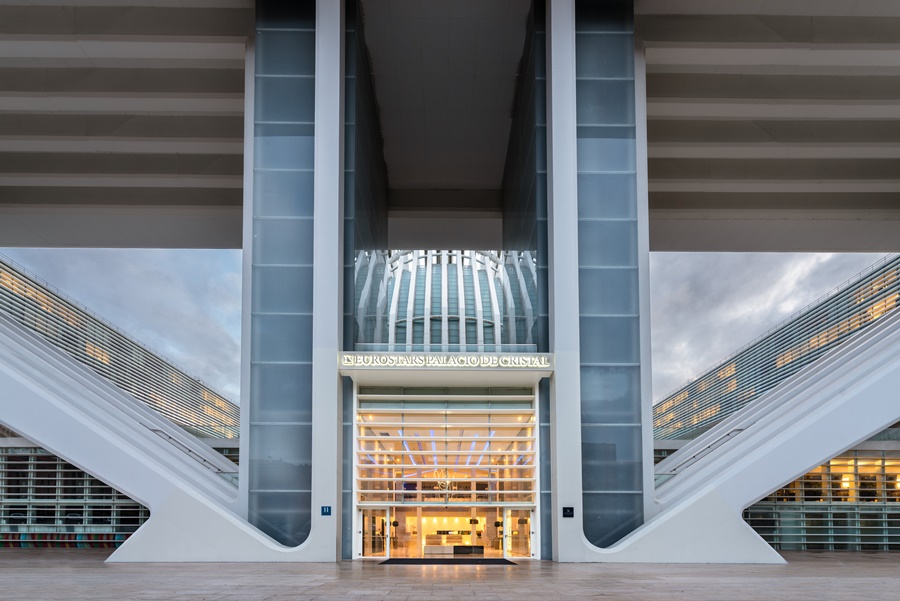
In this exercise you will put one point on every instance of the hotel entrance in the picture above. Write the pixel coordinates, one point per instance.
(452, 532)
(445, 472)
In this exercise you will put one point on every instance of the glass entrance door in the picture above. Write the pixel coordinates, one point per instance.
(375, 530)
(517, 533)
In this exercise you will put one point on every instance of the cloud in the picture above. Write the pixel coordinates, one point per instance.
(185, 304)
(705, 306)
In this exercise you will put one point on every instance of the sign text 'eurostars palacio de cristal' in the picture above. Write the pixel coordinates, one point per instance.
(450, 361)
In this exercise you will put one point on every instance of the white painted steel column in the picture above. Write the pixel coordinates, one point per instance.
(565, 387)
(241, 506)
(426, 311)
(324, 542)
(643, 250)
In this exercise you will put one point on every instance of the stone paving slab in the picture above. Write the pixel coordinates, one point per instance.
(81, 574)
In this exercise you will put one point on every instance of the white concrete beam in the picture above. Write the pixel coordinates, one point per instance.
(145, 104)
(100, 144)
(682, 230)
(800, 8)
(823, 186)
(135, 48)
(95, 180)
(120, 226)
(726, 150)
(769, 55)
(754, 109)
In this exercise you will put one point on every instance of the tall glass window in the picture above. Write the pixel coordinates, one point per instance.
(607, 270)
(281, 278)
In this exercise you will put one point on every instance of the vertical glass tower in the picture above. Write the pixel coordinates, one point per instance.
(608, 271)
(281, 303)
(337, 179)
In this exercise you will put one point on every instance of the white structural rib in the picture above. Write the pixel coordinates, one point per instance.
(68, 409)
(833, 404)
(830, 406)
(26, 356)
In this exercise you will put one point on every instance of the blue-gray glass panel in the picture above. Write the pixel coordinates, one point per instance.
(350, 146)
(270, 475)
(283, 242)
(610, 516)
(347, 432)
(607, 261)
(280, 392)
(283, 193)
(543, 276)
(280, 449)
(279, 458)
(605, 102)
(282, 289)
(282, 443)
(608, 291)
(347, 453)
(544, 435)
(347, 406)
(611, 458)
(607, 195)
(609, 340)
(281, 338)
(349, 289)
(284, 151)
(605, 149)
(546, 526)
(286, 52)
(285, 99)
(347, 525)
(607, 243)
(285, 516)
(544, 401)
(608, 394)
(604, 55)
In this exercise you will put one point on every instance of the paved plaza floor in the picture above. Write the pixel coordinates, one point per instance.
(76, 574)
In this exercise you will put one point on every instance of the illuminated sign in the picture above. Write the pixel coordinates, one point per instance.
(448, 361)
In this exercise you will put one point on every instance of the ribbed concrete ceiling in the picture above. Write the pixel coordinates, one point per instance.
(773, 125)
(445, 75)
(121, 123)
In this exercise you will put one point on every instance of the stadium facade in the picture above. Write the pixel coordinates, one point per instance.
(489, 394)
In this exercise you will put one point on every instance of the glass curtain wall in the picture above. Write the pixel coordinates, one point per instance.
(365, 185)
(525, 180)
(608, 270)
(446, 301)
(281, 273)
(851, 503)
(447, 462)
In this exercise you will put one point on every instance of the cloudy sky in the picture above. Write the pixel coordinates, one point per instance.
(704, 306)
(187, 304)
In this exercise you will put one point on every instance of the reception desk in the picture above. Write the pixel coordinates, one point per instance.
(450, 544)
